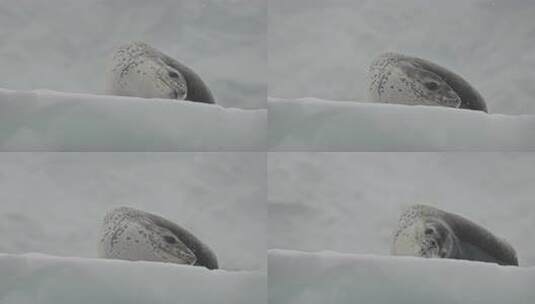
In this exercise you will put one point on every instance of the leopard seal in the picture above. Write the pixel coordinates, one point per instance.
(429, 232)
(132, 234)
(138, 69)
(396, 78)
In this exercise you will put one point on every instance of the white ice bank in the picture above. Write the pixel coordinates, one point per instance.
(54, 121)
(329, 277)
(40, 279)
(310, 124)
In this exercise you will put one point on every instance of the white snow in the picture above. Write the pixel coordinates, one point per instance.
(54, 203)
(324, 48)
(41, 279)
(55, 121)
(65, 45)
(351, 202)
(329, 277)
(309, 124)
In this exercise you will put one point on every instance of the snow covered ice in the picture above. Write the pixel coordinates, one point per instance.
(55, 121)
(36, 278)
(309, 124)
(297, 277)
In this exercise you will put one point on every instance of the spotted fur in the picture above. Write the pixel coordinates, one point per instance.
(137, 69)
(132, 234)
(396, 78)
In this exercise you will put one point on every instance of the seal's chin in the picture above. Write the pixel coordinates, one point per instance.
(451, 102)
(177, 95)
(432, 254)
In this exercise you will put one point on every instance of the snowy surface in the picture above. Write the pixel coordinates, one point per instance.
(310, 124)
(54, 121)
(54, 203)
(323, 48)
(327, 277)
(39, 279)
(65, 45)
(351, 202)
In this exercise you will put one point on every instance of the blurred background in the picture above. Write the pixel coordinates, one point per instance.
(323, 49)
(351, 202)
(54, 203)
(65, 45)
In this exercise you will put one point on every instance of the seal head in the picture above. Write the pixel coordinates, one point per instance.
(432, 233)
(429, 237)
(396, 78)
(137, 69)
(132, 234)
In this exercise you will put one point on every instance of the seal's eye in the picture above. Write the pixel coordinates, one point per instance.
(173, 74)
(169, 239)
(428, 231)
(431, 85)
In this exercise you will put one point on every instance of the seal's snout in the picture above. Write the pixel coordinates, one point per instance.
(451, 101)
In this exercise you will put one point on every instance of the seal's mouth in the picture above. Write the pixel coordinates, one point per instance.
(429, 246)
(178, 94)
(451, 102)
(174, 92)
